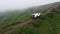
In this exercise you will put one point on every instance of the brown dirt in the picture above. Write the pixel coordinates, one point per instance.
(10, 29)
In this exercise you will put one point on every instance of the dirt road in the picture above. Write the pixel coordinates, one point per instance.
(10, 29)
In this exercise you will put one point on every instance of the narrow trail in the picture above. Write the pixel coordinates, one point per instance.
(10, 29)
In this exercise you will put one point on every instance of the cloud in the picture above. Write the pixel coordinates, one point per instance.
(16, 4)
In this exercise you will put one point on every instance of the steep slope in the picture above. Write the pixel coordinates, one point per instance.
(49, 24)
(11, 18)
(18, 17)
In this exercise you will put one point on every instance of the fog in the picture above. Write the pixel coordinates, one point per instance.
(22, 4)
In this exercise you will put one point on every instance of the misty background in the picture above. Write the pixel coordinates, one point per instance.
(22, 4)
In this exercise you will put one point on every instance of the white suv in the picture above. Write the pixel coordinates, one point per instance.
(35, 15)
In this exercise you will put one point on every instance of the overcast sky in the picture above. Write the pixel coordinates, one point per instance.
(16, 4)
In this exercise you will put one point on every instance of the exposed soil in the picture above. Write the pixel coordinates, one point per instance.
(10, 29)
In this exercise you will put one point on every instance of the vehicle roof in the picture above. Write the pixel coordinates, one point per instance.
(36, 13)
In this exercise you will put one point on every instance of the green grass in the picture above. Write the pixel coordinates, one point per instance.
(39, 26)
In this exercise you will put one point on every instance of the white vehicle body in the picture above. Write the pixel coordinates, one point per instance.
(35, 15)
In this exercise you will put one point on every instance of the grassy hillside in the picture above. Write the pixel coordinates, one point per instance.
(46, 25)
(49, 24)
(10, 18)
(41, 26)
